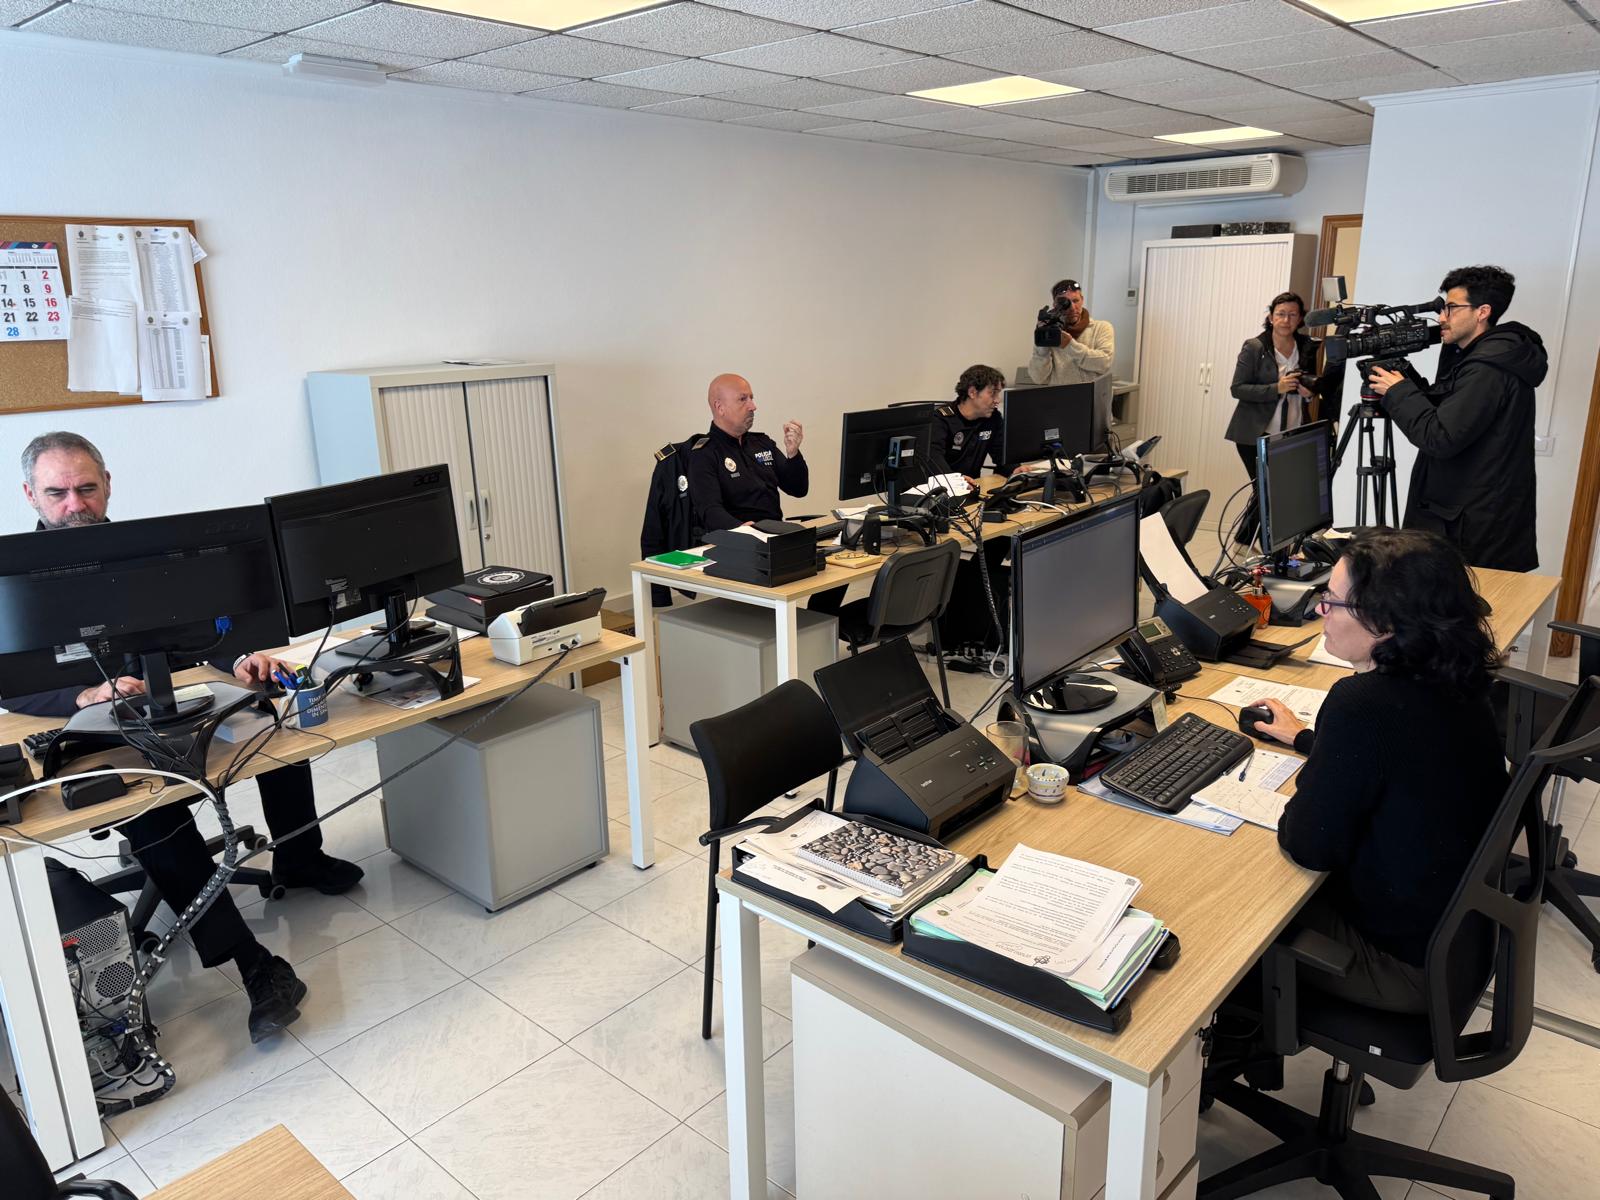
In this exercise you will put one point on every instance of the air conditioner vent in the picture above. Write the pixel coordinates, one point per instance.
(1202, 180)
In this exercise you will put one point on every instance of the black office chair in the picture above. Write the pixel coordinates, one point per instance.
(1488, 934)
(913, 589)
(28, 1175)
(1182, 515)
(133, 879)
(753, 755)
(1528, 703)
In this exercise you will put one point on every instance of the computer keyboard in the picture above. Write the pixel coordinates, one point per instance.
(1185, 756)
(37, 743)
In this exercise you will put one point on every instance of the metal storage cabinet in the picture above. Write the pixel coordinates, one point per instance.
(495, 427)
(513, 806)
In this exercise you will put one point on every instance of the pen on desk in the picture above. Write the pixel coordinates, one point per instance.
(1245, 770)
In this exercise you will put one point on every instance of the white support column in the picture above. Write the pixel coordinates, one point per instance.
(1135, 1133)
(741, 1029)
(1539, 635)
(636, 709)
(788, 648)
(644, 628)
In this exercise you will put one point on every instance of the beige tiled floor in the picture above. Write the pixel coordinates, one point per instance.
(553, 1049)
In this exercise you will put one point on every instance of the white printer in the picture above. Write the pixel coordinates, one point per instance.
(546, 627)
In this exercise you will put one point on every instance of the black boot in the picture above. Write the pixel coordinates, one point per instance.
(275, 993)
(328, 875)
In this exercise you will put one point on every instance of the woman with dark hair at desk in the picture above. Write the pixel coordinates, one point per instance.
(1405, 768)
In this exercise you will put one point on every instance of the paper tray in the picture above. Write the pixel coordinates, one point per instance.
(1028, 984)
(855, 916)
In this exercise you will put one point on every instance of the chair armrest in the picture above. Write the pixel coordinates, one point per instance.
(1280, 972)
(1520, 680)
(716, 835)
(1572, 627)
(105, 1189)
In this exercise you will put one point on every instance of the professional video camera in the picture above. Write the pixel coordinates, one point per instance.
(1052, 322)
(1385, 334)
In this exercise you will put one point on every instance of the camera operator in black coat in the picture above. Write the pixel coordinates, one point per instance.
(1473, 427)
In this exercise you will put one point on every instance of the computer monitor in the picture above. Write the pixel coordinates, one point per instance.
(368, 545)
(1040, 422)
(1294, 484)
(1074, 590)
(77, 604)
(883, 450)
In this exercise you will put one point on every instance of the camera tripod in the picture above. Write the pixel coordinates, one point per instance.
(1375, 480)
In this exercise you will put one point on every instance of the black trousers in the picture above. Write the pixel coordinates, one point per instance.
(1252, 517)
(173, 853)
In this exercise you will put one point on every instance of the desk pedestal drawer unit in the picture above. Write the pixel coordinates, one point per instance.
(511, 807)
(719, 654)
(897, 1095)
(494, 426)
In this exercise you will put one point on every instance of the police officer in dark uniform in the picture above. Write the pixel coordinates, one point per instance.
(967, 430)
(735, 474)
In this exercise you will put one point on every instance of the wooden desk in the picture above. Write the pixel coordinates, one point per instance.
(39, 1011)
(1226, 898)
(785, 601)
(272, 1164)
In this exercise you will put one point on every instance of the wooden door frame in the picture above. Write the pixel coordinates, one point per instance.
(1331, 225)
(1581, 525)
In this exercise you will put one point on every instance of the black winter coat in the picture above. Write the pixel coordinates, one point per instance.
(1474, 481)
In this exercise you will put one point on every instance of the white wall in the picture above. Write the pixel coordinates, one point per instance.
(1499, 173)
(1335, 183)
(640, 254)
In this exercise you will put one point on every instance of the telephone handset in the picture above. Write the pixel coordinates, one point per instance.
(1155, 655)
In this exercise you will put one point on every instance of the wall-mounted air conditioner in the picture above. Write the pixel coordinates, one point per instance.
(1199, 180)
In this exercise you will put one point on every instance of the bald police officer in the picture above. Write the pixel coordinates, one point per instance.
(735, 474)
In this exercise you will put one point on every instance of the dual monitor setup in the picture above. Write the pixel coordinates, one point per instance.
(885, 450)
(79, 605)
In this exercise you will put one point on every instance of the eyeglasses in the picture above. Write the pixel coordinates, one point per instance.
(1445, 311)
(1325, 606)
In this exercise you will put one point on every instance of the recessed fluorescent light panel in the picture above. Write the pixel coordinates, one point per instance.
(1211, 137)
(537, 14)
(1376, 10)
(1009, 89)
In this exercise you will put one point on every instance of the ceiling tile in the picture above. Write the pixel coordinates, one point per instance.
(1251, 112)
(575, 57)
(958, 27)
(1486, 20)
(1361, 66)
(1553, 64)
(1059, 158)
(268, 16)
(830, 14)
(880, 108)
(1185, 32)
(415, 31)
(135, 29)
(935, 140)
(912, 76)
(1309, 45)
(943, 117)
(1072, 109)
(481, 78)
(1094, 14)
(1182, 92)
(703, 108)
(1345, 131)
(602, 95)
(1078, 48)
(1148, 68)
(814, 54)
(793, 122)
(863, 131)
(796, 93)
(691, 29)
(281, 49)
(693, 77)
(990, 146)
(13, 11)
(1534, 44)
(1034, 133)
(1411, 81)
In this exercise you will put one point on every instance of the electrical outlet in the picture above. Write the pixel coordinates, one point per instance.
(1545, 445)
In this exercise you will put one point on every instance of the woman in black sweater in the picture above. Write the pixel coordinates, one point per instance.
(1405, 768)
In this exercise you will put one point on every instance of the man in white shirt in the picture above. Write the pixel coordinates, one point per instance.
(1079, 350)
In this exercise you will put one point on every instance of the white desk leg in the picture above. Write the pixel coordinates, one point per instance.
(1134, 1135)
(644, 628)
(741, 1036)
(788, 648)
(46, 1045)
(1539, 635)
(635, 724)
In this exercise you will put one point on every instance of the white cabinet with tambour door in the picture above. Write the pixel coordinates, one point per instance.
(1201, 298)
(494, 426)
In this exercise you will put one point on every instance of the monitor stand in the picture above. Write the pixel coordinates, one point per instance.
(1074, 692)
(397, 637)
(1069, 737)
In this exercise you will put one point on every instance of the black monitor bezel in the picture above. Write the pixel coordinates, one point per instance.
(914, 420)
(1026, 415)
(1266, 536)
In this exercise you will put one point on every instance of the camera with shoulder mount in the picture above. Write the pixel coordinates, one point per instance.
(1052, 324)
(1381, 335)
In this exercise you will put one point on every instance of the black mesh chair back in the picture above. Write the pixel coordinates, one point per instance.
(761, 750)
(1182, 516)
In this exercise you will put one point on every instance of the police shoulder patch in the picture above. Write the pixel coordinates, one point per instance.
(700, 442)
(946, 410)
(666, 452)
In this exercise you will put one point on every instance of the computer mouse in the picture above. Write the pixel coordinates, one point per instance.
(1252, 715)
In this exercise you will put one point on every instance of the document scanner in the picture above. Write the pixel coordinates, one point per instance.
(545, 627)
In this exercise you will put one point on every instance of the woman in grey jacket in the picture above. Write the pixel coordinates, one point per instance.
(1277, 387)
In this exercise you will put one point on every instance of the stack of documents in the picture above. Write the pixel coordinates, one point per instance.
(1069, 918)
(1252, 793)
(778, 859)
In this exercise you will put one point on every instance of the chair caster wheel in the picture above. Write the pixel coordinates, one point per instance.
(259, 842)
(1570, 861)
(274, 891)
(147, 944)
(1368, 1097)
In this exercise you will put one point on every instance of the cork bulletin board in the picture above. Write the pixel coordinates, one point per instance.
(33, 375)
